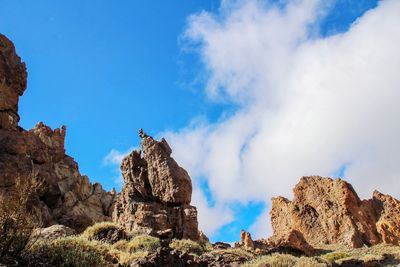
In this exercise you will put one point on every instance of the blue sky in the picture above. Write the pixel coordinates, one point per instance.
(106, 69)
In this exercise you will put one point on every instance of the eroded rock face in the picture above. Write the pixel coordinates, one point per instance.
(387, 210)
(65, 196)
(156, 194)
(13, 80)
(327, 211)
(246, 241)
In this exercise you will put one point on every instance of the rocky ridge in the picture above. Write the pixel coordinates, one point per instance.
(63, 195)
(156, 194)
(329, 212)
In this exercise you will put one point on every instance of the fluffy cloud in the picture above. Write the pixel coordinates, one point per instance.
(306, 104)
(114, 159)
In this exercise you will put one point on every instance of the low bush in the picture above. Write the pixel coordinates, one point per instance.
(143, 243)
(333, 256)
(285, 260)
(105, 231)
(187, 245)
(121, 245)
(17, 218)
(126, 258)
(71, 252)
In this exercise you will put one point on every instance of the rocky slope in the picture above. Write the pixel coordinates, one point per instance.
(63, 195)
(156, 194)
(329, 212)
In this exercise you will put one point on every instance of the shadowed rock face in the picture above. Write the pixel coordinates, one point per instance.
(156, 193)
(327, 211)
(63, 195)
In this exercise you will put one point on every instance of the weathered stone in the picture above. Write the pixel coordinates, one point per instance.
(292, 239)
(387, 210)
(221, 245)
(50, 233)
(64, 196)
(327, 211)
(245, 240)
(13, 81)
(156, 194)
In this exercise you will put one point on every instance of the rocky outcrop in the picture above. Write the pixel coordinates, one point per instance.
(156, 194)
(246, 241)
(291, 240)
(50, 233)
(65, 196)
(13, 81)
(326, 211)
(387, 212)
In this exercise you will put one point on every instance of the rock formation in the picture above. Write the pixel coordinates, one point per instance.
(326, 211)
(245, 240)
(64, 195)
(156, 194)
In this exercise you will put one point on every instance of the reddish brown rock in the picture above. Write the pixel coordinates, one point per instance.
(245, 240)
(387, 210)
(327, 211)
(65, 196)
(156, 194)
(291, 239)
(13, 80)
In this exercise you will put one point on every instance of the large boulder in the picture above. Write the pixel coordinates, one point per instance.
(156, 194)
(62, 194)
(327, 211)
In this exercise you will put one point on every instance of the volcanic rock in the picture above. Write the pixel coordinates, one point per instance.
(50, 233)
(387, 212)
(245, 240)
(13, 81)
(326, 211)
(292, 239)
(65, 196)
(156, 194)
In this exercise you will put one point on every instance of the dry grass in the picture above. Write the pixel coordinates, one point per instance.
(126, 258)
(239, 252)
(72, 251)
(285, 260)
(366, 255)
(187, 245)
(92, 232)
(143, 243)
(17, 218)
(337, 255)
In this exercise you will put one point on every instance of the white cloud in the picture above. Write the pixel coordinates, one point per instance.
(306, 104)
(114, 158)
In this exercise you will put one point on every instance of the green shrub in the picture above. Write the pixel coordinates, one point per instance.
(121, 245)
(333, 256)
(187, 245)
(71, 252)
(143, 243)
(104, 231)
(126, 258)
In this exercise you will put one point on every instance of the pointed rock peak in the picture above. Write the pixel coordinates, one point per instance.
(155, 175)
(156, 183)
